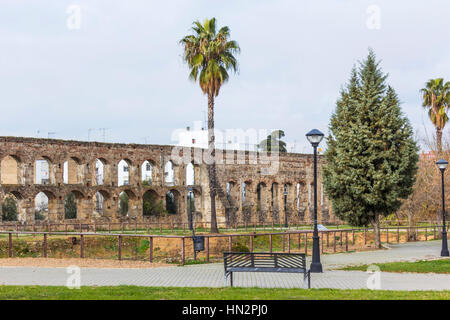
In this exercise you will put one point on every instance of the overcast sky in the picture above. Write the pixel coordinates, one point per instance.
(122, 69)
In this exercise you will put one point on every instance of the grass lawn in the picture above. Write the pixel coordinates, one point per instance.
(173, 293)
(431, 266)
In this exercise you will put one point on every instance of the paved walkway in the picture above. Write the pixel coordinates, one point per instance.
(211, 275)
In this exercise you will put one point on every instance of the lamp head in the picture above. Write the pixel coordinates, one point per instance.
(442, 164)
(314, 137)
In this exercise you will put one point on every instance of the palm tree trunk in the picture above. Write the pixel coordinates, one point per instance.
(212, 165)
(439, 140)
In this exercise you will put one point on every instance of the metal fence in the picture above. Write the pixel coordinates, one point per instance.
(179, 248)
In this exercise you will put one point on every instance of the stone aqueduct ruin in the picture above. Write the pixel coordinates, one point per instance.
(245, 193)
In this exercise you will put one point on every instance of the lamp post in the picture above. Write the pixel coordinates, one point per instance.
(442, 165)
(315, 137)
(190, 207)
(285, 193)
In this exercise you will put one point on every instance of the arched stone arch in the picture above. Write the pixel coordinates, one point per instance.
(148, 172)
(73, 171)
(73, 205)
(127, 204)
(169, 173)
(124, 172)
(100, 172)
(152, 205)
(190, 174)
(173, 203)
(44, 171)
(11, 171)
(12, 207)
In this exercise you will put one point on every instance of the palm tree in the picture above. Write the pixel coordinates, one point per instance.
(436, 98)
(210, 55)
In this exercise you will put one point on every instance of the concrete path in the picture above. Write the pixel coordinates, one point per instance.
(211, 275)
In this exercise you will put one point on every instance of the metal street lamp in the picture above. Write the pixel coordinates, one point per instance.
(190, 207)
(315, 137)
(442, 165)
(285, 193)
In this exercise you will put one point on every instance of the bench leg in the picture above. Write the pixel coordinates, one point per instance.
(307, 276)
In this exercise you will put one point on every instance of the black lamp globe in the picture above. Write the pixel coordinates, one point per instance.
(442, 164)
(314, 137)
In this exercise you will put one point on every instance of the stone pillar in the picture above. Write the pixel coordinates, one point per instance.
(55, 210)
(26, 210)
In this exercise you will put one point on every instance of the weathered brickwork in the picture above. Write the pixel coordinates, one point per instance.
(245, 192)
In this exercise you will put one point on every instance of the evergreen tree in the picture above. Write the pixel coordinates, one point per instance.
(70, 207)
(371, 161)
(123, 203)
(9, 209)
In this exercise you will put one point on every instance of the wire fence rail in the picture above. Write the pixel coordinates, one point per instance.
(179, 248)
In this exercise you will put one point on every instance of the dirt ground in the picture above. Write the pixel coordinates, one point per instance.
(82, 263)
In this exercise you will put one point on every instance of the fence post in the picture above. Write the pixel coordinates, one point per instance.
(10, 245)
(183, 257)
(270, 243)
(321, 239)
(365, 236)
(251, 243)
(334, 241)
(341, 238)
(426, 234)
(398, 235)
(346, 240)
(328, 239)
(289, 243)
(81, 246)
(299, 240)
(284, 242)
(45, 245)
(207, 249)
(353, 236)
(230, 243)
(150, 245)
(306, 243)
(119, 248)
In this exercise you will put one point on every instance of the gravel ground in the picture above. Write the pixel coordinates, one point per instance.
(82, 263)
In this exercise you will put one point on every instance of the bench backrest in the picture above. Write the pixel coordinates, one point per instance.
(264, 260)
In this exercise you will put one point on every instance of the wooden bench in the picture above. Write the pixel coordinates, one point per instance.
(265, 262)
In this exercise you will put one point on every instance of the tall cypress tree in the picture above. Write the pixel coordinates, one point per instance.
(372, 156)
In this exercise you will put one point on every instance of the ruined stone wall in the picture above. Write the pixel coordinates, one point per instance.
(264, 198)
